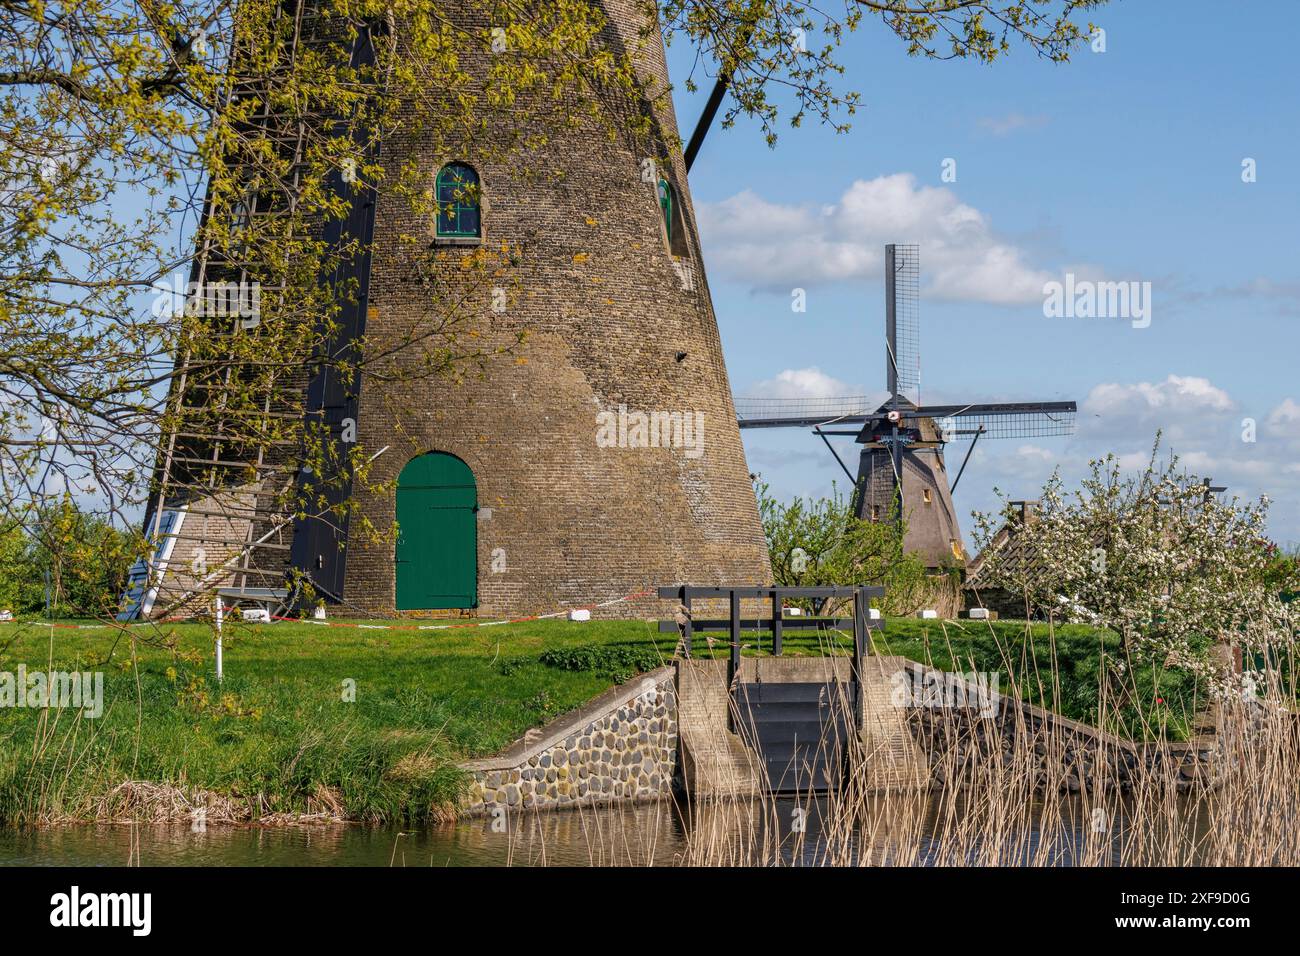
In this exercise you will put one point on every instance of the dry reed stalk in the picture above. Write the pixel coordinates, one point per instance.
(1036, 798)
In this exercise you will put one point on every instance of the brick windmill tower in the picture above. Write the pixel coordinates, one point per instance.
(598, 458)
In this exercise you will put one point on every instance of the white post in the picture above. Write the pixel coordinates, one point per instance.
(218, 615)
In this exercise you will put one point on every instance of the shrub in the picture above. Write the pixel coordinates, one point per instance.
(820, 542)
(1155, 558)
(618, 662)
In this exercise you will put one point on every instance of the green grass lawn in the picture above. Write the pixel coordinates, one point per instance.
(279, 734)
(278, 726)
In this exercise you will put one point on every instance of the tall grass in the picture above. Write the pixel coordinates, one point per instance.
(1022, 805)
(994, 800)
(279, 739)
(306, 756)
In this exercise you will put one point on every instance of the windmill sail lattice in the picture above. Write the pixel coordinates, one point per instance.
(903, 319)
(227, 463)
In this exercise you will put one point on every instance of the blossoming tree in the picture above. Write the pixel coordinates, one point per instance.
(1177, 572)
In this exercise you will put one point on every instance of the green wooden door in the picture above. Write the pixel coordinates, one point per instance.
(437, 542)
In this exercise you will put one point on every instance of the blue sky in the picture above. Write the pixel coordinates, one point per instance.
(1124, 165)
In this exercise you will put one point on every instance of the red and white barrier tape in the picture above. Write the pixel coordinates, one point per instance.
(368, 627)
(446, 627)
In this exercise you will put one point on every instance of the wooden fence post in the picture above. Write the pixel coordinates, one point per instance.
(733, 667)
(777, 604)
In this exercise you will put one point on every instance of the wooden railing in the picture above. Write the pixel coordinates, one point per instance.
(861, 621)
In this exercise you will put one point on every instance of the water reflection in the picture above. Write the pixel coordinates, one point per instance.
(649, 834)
(655, 834)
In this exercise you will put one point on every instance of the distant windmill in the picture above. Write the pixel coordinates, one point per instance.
(901, 464)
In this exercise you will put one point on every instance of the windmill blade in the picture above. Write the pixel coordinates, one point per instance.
(803, 412)
(1001, 420)
(903, 319)
(706, 119)
(720, 87)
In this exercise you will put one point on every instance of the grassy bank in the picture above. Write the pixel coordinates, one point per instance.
(1074, 670)
(369, 724)
(278, 736)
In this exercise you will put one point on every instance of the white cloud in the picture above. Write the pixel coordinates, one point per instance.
(774, 246)
(1284, 420)
(1201, 423)
(1171, 401)
(803, 383)
(1032, 453)
(1018, 472)
(1010, 122)
(1190, 412)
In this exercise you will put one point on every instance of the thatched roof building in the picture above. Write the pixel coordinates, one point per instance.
(1014, 553)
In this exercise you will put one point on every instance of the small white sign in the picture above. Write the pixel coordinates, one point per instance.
(580, 615)
(259, 614)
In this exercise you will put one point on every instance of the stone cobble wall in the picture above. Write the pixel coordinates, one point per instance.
(623, 747)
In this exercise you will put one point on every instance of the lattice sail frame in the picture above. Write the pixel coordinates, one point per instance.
(954, 422)
(907, 310)
(992, 423)
(820, 408)
(238, 529)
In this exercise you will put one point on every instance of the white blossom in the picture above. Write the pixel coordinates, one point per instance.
(1180, 570)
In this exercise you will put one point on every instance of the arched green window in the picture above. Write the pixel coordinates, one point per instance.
(667, 205)
(459, 195)
(670, 209)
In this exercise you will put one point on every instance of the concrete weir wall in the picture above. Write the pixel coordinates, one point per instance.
(671, 726)
(636, 741)
(620, 747)
(715, 761)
